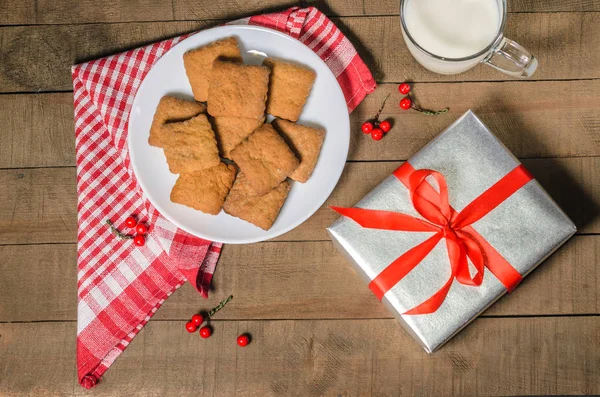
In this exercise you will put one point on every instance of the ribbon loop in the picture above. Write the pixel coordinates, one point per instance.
(436, 212)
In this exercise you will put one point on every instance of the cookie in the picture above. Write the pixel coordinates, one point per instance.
(190, 145)
(198, 63)
(204, 190)
(289, 86)
(231, 131)
(172, 109)
(244, 203)
(237, 90)
(265, 158)
(306, 143)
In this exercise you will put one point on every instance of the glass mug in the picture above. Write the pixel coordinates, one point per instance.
(501, 53)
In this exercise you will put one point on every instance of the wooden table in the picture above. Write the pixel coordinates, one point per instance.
(317, 329)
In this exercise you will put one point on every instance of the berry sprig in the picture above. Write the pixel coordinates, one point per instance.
(197, 319)
(408, 102)
(375, 127)
(206, 331)
(140, 229)
(117, 232)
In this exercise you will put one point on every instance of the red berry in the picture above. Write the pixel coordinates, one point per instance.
(243, 340)
(405, 103)
(205, 332)
(404, 88)
(190, 327)
(377, 134)
(367, 127)
(197, 319)
(139, 240)
(130, 222)
(385, 125)
(141, 229)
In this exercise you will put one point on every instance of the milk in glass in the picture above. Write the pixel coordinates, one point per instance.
(451, 29)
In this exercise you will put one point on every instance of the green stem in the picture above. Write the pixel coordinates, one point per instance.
(117, 232)
(381, 108)
(426, 112)
(219, 306)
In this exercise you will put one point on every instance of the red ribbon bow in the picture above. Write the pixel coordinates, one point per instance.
(462, 241)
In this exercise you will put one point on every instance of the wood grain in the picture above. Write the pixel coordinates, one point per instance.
(379, 42)
(553, 5)
(316, 328)
(572, 183)
(533, 119)
(39, 205)
(38, 128)
(44, 274)
(91, 11)
(509, 356)
(391, 7)
(296, 280)
(15, 12)
(39, 57)
(312, 280)
(203, 9)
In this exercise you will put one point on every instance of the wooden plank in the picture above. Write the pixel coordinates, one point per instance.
(391, 7)
(39, 57)
(91, 11)
(546, 124)
(379, 42)
(206, 9)
(571, 182)
(39, 205)
(312, 280)
(508, 356)
(16, 12)
(299, 280)
(44, 274)
(38, 128)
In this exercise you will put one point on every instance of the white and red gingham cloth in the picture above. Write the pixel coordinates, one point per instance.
(120, 286)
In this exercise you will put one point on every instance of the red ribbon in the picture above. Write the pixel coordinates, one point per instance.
(462, 241)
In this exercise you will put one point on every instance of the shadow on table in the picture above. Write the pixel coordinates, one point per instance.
(365, 54)
(562, 179)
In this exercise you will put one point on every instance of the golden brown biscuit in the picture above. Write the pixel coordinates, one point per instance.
(190, 145)
(265, 158)
(306, 143)
(172, 109)
(237, 90)
(204, 190)
(244, 203)
(198, 63)
(231, 131)
(289, 86)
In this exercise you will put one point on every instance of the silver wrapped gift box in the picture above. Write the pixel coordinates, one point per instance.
(524, 229)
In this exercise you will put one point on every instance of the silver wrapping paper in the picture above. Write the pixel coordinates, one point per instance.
(525, 229)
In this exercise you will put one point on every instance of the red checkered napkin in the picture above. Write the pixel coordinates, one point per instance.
(121, 286)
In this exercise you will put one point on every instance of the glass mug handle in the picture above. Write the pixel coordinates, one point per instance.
(511, 58)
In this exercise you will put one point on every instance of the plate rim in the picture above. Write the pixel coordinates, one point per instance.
(268, 236)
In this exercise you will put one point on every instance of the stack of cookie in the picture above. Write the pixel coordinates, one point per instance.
(207, 150)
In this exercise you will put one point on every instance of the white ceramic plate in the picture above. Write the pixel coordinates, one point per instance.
(326, 107)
